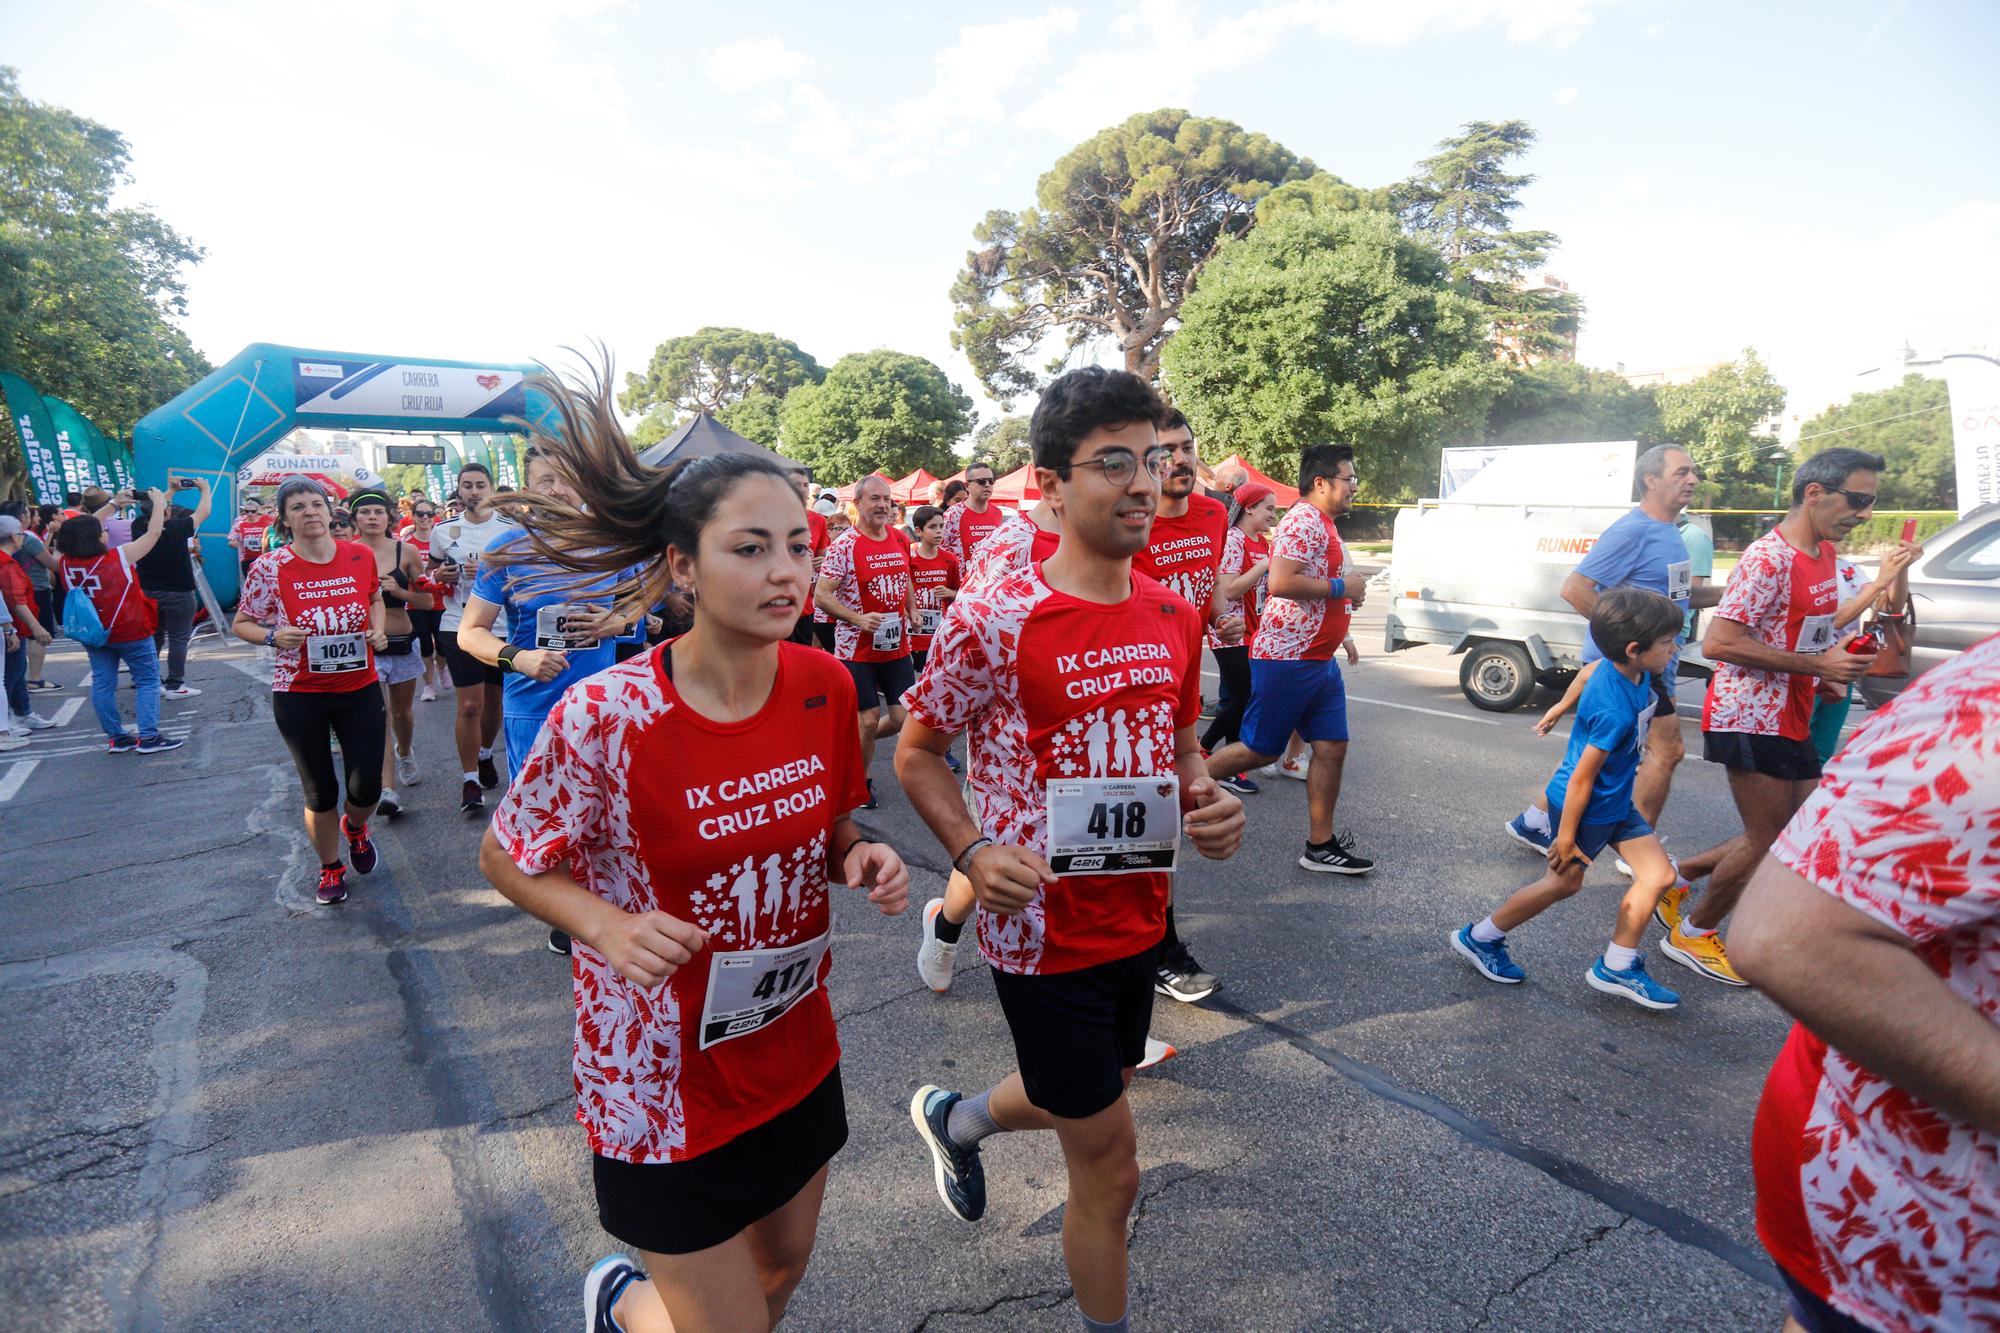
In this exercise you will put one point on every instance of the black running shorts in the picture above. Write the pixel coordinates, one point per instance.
(681, 1207)
(1773, 756)
(465, 669)
(880, 682)
(1076, 1033)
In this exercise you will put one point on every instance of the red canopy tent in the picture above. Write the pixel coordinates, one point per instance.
(914, 489)
(1017, 489)
(846, 493)
(1287, 495)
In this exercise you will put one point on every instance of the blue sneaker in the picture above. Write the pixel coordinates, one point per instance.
(1238, 784)
(951, 762)
(961, 1180)
(1491, 959)
(1518, 830)
(1632, 984)
(605, 1283)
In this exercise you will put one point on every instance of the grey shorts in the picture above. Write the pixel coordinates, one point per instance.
(394, 670)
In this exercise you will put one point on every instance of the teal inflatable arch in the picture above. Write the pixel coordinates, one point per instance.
(262, 393)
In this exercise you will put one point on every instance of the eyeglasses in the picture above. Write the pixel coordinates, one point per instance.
(979, 481)
(1120, 464)
(1855, 499)
(1351, 479)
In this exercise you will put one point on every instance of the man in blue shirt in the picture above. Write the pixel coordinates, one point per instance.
(1643, 549)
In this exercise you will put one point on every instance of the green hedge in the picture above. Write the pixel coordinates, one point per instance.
(1882, 530)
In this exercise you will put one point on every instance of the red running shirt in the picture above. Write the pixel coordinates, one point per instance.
(1786, 600)
(1104, 690)
(1310, 629)
(330, 599)
(869, 577)
(1883, 1206)
(656, 808)
(1012, 546)
(126, 611)
(966, 530)
(250, 534)
(928, 577)
(1184, 553)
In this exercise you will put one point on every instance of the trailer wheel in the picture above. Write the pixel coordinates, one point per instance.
(1497, 677)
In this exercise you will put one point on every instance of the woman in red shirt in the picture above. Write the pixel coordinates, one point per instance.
(424, 621)
(682, 817)
(106, 576)
(318, 603)
(1246, 563)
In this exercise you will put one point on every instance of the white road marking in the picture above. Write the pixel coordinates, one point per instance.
(1417, 666)
(68, 711)
(16, 775)
(1433, 712)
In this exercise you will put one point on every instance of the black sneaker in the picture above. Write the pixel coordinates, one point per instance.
(489, 772)
(961, 1180)
(471, 803)
(1182, 979)
(1336, 857)
(602, 1287)
(123, 743)
(1239, 784)
(155, 743)
(360, 847)
(871, 803)
(559, 943)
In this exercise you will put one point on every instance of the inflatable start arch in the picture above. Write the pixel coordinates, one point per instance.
(265, 391)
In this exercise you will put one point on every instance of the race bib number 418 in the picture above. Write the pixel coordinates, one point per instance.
(1114, 826)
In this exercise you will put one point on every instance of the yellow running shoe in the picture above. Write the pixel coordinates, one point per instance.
(1703, 953)
(1671, 907)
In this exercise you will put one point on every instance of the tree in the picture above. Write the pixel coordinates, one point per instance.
(1560, 402)
(754, 418)
(1908, 424)
(709, 369)
(660, 421)
(1463, 199)
(1003, 442)
(1720, 419)
(879, 409)
(88, 293)
(1322, 192)
(1124, 224)
(1336, 327)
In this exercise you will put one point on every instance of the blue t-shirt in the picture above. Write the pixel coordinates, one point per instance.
(1638, 551)
(533, 622)
(1612, 715)
(1701, 560)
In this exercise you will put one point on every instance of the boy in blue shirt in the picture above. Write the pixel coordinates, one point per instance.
(1590, 804)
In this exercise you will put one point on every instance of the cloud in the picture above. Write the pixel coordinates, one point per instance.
(1170, 40)
(1636, 185)
(1564, 96)
(753, 64)
(1819, 307)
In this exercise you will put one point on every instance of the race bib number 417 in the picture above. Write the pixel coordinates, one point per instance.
(754, 988)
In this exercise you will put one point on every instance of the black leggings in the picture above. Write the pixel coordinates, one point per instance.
(424, 624)
(1234, 665)
(308, 720)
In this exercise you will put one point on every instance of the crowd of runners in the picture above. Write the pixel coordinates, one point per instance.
(690, 673)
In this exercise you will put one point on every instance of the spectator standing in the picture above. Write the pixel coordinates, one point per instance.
(19, 597)
(166, 575)
(97, 571)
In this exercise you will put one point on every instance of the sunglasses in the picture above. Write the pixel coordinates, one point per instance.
(1855, 499)
(423, 513)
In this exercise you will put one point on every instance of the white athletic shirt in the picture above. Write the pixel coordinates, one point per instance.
(465, 542)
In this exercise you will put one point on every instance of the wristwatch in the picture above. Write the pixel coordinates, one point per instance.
(271, 637)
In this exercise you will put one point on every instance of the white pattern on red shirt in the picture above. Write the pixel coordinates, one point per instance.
(1025, 728)
(1184, 552)
(1882, 1205)
(966, 529)
(869, 577)
(1307, 629)
(1783, 598)
(284, 587)
(627, 787)
(1014, 545)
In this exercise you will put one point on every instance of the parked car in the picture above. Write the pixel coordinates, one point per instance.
(1955, 589)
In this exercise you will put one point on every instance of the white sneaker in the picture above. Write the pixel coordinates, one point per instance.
(934, 957)
(11, 740)
(428, 695)
(1157, 1053)
(180, 692)
(32, 722)
(407, 772)
(1294, 768)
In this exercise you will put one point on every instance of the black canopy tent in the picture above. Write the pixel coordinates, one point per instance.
(701, 436)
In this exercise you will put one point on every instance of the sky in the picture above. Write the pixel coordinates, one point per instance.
(504, 179)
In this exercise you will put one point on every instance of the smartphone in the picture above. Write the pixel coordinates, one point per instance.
(185, 484)
(1909, 529)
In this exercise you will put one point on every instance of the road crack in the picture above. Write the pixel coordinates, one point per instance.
(1583, 1246)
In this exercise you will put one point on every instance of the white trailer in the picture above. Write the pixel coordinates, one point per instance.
(1484, 580)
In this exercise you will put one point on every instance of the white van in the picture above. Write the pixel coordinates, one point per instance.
(1485, 580)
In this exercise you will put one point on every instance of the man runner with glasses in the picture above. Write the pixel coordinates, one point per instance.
(1772, 640)
(973, 519)
(1295, 683)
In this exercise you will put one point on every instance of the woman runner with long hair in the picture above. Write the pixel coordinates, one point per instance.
(682, 817)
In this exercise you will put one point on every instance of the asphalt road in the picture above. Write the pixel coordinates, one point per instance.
(222, 1106)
